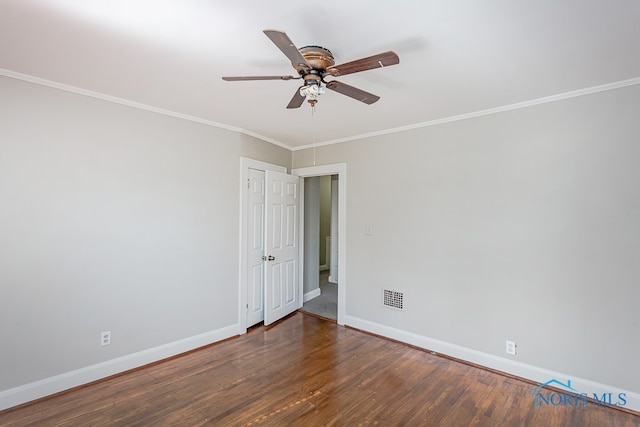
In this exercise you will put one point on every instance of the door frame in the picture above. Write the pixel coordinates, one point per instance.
(246, 164)
(339, 169)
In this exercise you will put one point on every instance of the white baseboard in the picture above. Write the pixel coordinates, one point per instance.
(48, 386)
(508, 366)
(323, 267)
(332, 279)
(311, 295)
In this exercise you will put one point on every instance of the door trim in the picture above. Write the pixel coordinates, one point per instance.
(245, 165)
(339, 169)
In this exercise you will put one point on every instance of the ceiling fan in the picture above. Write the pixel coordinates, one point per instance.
(314, 64)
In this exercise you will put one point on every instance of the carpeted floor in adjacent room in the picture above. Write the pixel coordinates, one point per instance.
(325, 305)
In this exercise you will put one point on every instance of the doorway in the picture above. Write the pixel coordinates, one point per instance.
(340, 171)
(320, 285)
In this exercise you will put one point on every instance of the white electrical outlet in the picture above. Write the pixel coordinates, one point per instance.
(368, 229)
(511, 348)
(105, 338)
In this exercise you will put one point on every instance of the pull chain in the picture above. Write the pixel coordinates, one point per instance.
(313, 111)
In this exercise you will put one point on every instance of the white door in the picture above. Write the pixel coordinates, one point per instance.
(282, 207)
(255, 247)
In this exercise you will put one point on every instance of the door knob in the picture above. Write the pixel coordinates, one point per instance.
(268, 258)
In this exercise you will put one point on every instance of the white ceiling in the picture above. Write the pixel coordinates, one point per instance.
(456, 56)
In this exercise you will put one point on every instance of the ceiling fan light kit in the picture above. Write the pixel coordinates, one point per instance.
(314, 63)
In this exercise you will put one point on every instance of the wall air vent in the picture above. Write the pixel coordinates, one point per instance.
(393, 299)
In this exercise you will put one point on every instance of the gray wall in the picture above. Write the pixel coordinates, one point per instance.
(522, 225)
(112, 218)
(311, 233)
(325, 216)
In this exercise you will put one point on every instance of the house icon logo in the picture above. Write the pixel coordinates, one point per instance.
(538, 394)
(555, 381)
(564, 394)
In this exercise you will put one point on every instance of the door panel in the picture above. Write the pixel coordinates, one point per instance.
(255, 294)
(276, 294)
(290, 282)
(282, 201)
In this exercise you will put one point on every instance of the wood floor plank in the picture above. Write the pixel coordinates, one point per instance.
(307, 371)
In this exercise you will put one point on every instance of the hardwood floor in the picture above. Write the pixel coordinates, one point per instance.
(305, 371)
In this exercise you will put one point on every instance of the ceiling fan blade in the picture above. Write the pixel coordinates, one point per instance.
(353, 92)
(284, 43)
(297, 99)
(369, 63)
(247, 78)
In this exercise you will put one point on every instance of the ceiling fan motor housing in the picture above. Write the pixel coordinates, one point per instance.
(317, 57)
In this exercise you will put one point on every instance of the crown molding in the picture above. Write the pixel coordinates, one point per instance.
(490, 111)
(510, 107)
(133, 104)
